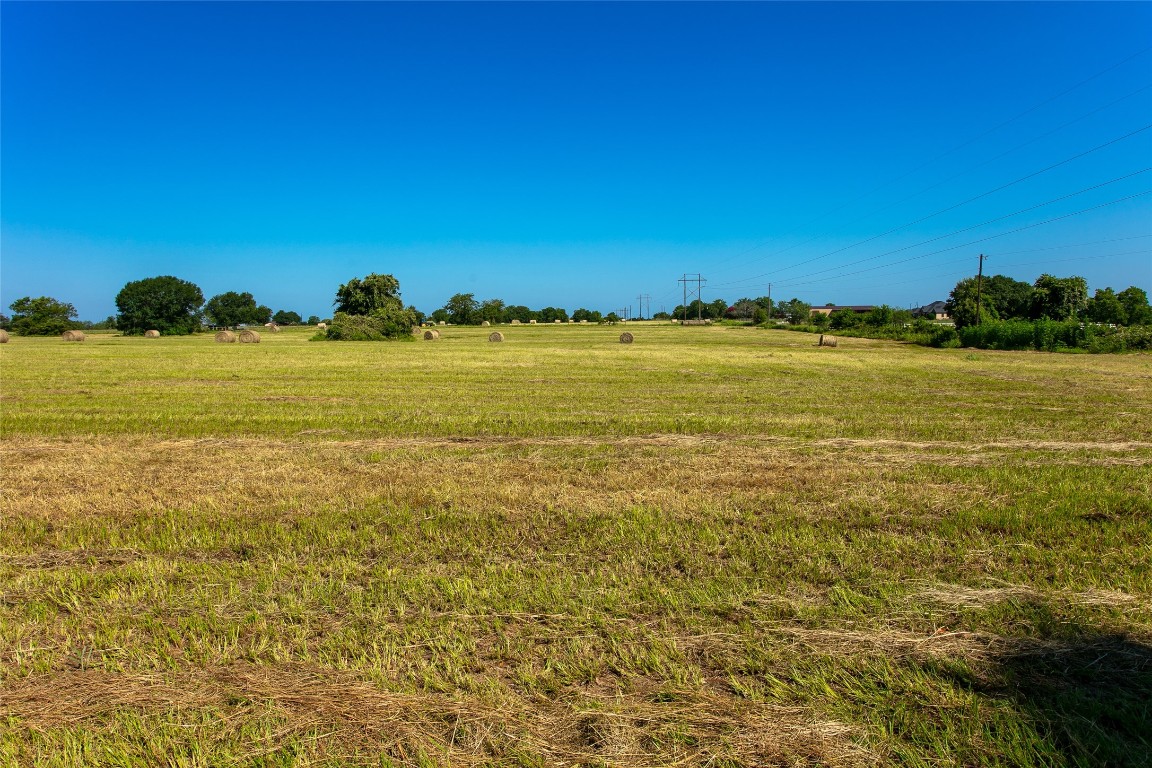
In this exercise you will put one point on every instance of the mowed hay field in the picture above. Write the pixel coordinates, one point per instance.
(711, 547)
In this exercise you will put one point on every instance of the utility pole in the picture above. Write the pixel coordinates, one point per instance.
(640, 300)
(769, 302)
(699, 280)
(979, 284)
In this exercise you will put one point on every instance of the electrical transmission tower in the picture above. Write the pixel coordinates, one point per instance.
(700, 281)
(640, 300)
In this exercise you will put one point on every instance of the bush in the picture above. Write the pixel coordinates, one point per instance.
(379, 326)
(943, 336)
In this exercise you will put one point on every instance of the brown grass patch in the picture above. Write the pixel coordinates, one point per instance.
(355, 717)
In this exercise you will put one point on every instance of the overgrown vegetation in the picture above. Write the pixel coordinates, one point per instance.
(562, 549)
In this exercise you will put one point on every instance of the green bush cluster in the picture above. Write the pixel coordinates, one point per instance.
(378, 326)
(1053, 336)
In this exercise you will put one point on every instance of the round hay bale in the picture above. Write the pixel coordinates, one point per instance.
(515, 322)
(496, 336)
(273, 328)
(3, 336)
(532, 322)
(225, 337)
(321, 326)
(72, 336)
(626, 338)
(249, 337)
(152, 334)
(485, 324)
(431, 335)
(826, 341)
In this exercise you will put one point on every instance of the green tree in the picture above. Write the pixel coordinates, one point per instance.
(362, 296)
(794, 311)
(519, 312)
(590, 315)
(1059, 298)
(611, 318)
(552, 314)
(743, 309)
(42, 316)
(1136, 308)
(167, 304)
(843, 318)
(1105, 307)
(463, 309)
(287, 318)
(313, 319)
(491, 310)
(440, 315)
(231, 309)
(370, 309)
(1001, 298)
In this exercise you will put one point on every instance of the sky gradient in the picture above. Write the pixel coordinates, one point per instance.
(573, 155)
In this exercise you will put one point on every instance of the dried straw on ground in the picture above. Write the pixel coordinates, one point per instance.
(485, 324)
(249, 337)
(152, 334)
(225, 337)
(496, 336)
(431, 335)
(72, 336)
(626, 338)
(826, 341)
(321, 326)
(3, 336)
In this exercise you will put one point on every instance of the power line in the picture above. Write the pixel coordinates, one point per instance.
(973, 242)
(958, 147)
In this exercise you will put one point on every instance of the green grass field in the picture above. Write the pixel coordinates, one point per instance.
(714, 547)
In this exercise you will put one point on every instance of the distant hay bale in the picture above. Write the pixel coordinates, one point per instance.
(532, 322)
(272, 327)
(72, 336)
(3, 336)
(583, 322)
(321, 326)
(515, 322)
(431, 335)
(826, 341)
(556, 321)
(485, 324)
(249, 337)
(626, 338)
(225, 337)
(442, 322)
(152, 334)
(496, 336)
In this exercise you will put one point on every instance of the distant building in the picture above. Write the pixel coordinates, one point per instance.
(937, 310)
(859, 309)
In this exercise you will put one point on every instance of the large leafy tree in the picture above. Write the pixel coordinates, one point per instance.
(463, 309)
(42, 316)
(283, 317)
(794, 311)
(167, 304)
(1136, 308)
(1105, 307)
(1059, 298)
(232, 308)
(491, 310)
(363, 296)
(370, 309)
(1001, 298)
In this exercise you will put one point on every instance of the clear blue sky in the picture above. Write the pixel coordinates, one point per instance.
(571, 154)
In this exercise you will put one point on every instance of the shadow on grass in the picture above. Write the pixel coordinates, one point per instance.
(1092, 694)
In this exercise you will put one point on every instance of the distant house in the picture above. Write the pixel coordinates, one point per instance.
(937, 310)
(859, 309)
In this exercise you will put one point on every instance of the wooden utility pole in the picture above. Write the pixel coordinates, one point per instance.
(769, 302)
(979, 284)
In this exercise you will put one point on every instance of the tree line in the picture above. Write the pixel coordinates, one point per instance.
(165, 303)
